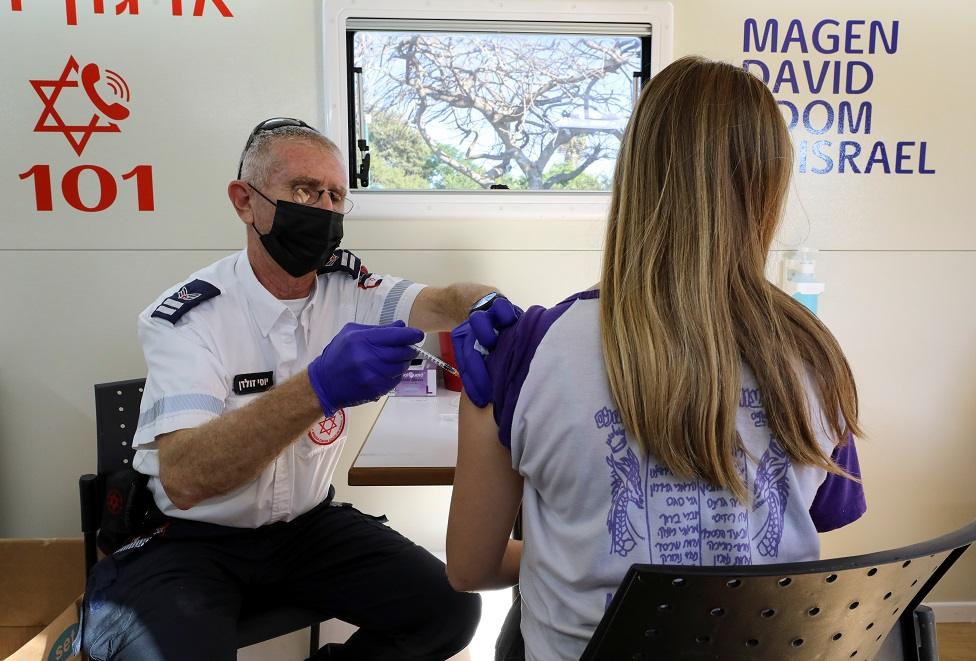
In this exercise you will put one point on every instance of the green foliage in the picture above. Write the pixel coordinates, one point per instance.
(447, 178)
(401, 160)
(582, 181)
(572, 154)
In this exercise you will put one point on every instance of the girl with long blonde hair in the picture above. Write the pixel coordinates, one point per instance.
(685, 410)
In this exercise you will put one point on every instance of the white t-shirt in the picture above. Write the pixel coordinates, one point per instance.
(219, 341)
(593, 503)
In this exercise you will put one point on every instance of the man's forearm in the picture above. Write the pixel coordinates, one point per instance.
(231, 450)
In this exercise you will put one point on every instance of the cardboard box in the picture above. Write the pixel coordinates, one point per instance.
(55, 641)
(39, 578)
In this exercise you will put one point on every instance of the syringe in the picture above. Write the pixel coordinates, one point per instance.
(434, 359)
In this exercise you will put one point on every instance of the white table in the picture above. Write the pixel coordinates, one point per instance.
(412, 442)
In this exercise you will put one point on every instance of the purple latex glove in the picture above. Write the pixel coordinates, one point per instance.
(474, 339)
(361, 364)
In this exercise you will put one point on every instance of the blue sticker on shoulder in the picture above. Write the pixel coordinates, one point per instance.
(189, 296)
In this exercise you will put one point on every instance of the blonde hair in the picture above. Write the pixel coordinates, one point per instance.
(699, 188)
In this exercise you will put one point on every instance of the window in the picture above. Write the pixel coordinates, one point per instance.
(437, 107)
(524, 110)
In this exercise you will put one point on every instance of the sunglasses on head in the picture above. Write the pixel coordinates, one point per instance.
(269, 125)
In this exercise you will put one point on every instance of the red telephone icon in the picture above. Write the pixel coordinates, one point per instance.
(90, 75)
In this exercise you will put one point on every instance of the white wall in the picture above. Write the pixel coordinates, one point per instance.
(896, 250)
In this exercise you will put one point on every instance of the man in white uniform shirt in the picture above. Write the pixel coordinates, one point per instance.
(252, 362)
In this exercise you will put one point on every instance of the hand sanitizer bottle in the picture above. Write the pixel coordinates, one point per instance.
(801, 283)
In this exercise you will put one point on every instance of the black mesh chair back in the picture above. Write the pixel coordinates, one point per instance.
(116, 418)
(839, 608)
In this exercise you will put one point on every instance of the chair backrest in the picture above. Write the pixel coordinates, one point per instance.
(116, 417)
(839, 608)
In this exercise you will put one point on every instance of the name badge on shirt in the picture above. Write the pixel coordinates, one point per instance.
(248, 384)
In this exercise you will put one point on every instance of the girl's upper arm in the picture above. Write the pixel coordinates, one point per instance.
(484, 504)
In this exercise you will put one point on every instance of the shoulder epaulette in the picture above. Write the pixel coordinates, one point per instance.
(186, 298)
(343, 261)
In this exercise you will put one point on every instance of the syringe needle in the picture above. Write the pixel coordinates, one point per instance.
(437, 361)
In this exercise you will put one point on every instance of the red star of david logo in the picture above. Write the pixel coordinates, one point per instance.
(329, 429)
(51, 121)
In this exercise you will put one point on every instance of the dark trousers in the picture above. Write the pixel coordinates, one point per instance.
(509, 646)
(179, 595)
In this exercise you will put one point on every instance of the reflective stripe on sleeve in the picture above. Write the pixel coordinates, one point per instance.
(388, 313)
(179, 404)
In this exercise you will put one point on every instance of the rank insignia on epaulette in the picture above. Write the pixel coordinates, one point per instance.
(187, 297)
(342, 261)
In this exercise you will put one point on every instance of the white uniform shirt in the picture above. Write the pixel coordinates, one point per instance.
(216, 356)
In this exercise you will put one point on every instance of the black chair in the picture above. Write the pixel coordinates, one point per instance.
(859, 607)
(116, 416)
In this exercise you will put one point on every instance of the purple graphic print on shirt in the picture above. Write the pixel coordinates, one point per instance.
(772, 489)
(626, 490)
(751, 399)
(725, 522)
(686, 522)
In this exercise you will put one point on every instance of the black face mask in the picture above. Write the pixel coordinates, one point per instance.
(302, 238)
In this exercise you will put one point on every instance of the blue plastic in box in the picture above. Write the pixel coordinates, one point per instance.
(418, 381)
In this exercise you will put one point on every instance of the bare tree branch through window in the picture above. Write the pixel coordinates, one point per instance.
(468, 110)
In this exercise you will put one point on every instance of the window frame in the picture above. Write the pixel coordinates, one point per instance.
(338, 120)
